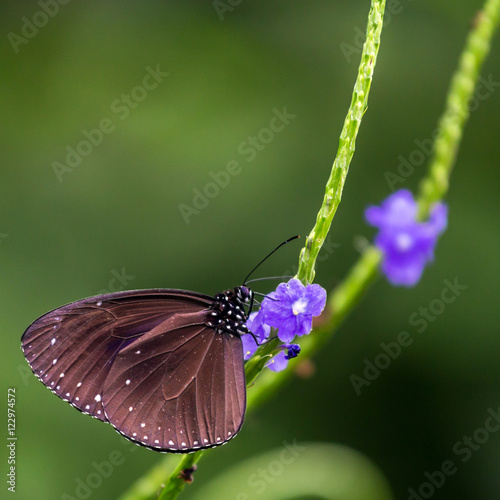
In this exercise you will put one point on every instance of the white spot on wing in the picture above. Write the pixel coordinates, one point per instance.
(127, 382)
(54, 361)
(98, 397)
(143, 425)
(171, 443)
(53, 341)
(99, 303)
(79, 384)
(130, 408)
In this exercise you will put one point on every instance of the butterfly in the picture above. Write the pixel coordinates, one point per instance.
(164, 367)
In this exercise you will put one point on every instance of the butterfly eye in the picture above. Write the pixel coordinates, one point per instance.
(244, 293)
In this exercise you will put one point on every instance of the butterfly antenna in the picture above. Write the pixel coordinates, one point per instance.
(270, 278)
(269, 255)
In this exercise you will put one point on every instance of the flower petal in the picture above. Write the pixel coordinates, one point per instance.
(316, 299)
(278, 362)
(287, 330)
(304, 325)
(397, 210)
(249, 346)
(255, 323)
(404, 271)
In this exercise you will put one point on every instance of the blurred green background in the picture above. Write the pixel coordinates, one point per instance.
(65, 238)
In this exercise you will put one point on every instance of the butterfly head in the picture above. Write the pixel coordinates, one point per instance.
(228, 313)
(243, 294)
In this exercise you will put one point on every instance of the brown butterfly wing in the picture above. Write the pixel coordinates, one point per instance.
(186, 377)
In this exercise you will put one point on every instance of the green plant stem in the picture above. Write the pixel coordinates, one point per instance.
(434, 186)
(347, 142)
(175, 483)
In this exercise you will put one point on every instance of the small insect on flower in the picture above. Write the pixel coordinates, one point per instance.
(407, 244)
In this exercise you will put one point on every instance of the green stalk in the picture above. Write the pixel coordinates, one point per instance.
(175, 483)
(347, 142)
(434, 186)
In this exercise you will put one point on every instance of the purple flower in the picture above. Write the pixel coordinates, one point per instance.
(249, 346)
(407, 245)
(259, 329)
(255, 323)
(291, 308)
(278, 362)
